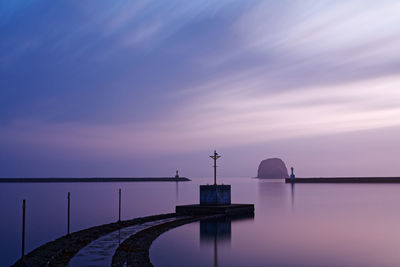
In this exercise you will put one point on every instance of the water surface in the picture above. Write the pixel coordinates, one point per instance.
(300, 225)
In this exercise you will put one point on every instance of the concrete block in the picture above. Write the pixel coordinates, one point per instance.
(215, 194)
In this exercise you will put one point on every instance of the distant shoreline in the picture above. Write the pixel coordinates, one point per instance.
(345, 180)
(93, 180)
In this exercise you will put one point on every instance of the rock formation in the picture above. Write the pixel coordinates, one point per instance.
(272, 168)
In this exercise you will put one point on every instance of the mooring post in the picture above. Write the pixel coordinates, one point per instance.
(119, 206)
(23, 227)
(69, 214)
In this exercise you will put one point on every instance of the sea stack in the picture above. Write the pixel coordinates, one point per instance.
(273, 168)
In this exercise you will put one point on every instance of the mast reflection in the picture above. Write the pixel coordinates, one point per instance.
(176, 192)
(292, 195)
(218, 231)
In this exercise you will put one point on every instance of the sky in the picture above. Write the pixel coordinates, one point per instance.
(143, 88)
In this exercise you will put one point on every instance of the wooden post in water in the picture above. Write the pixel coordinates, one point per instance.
(23, 227)
(119, 206)
(69, 213)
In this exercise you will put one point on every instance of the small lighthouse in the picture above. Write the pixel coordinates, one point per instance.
(292, 176)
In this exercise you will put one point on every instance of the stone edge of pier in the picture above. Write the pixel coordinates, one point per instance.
(231, 209)
(135, 251)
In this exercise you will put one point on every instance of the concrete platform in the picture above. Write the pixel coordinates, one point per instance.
(232, 209)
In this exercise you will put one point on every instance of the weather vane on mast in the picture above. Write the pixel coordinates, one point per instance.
(215, 157)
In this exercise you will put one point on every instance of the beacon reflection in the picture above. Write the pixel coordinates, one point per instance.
(215, 229)
(218, 231)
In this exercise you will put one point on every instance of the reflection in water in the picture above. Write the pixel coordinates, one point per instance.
(274, 193)
(176, 192)
(219, 230)
(292, 195)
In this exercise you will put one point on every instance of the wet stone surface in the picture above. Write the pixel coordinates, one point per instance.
(100, 251)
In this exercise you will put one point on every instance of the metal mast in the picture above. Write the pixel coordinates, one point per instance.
(215, 157)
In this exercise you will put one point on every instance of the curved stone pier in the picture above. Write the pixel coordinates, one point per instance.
(60, 251)
(116, 244)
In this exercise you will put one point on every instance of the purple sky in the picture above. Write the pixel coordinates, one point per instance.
(142, 88)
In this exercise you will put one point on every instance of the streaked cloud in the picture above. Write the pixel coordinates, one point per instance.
(122, 79)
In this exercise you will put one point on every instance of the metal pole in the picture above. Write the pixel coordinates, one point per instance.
(23, 227)
(119, 208)
(215, 170)
(69, 213)
(215, 157)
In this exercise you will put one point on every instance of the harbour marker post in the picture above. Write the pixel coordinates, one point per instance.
(23, 227)
(119, 206)
(69, 214)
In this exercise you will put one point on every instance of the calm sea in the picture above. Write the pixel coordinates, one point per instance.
(300, 225)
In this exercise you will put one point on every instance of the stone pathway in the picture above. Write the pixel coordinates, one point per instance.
(99, 253)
